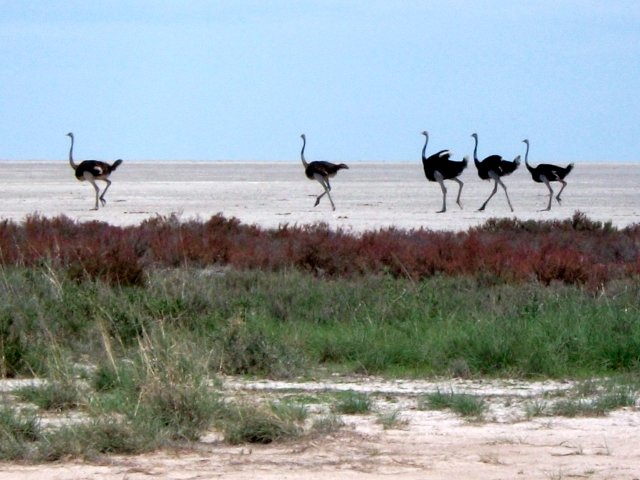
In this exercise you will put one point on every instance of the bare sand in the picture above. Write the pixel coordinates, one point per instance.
(432, 444)
(425, 444)
(367, 196)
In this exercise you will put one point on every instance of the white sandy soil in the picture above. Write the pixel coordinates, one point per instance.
(367, 196)
(426, 444)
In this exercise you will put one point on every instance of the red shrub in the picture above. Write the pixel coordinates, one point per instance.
(575, 251)
(565, 265)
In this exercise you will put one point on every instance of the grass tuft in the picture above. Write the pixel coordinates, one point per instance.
(465, 405)
(52, 396)
(391, 420)
(248, 424)
(19, 432)
(327, 424)
(352, 403)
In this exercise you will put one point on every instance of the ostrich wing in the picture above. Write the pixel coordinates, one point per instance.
(507, 167)
(94, 167)
(326, 169)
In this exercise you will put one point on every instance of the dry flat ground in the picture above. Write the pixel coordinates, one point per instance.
(432, 444)
(367, 196)
(425, 444)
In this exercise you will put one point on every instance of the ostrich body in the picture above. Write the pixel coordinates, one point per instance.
(320, 171)
(493, 168)
(92, 170)
(439, 167)
(547, 173)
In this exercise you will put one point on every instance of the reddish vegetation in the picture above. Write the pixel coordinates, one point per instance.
(575, 251)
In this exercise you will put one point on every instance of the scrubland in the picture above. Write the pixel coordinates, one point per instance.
(129, 330)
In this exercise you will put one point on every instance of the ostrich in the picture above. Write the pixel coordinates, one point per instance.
(546, 173)
(439, 167)
(492, 168)
(92, 170)
(320, 171)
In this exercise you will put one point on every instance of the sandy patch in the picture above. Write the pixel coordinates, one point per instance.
(367, 196)
(430, 444)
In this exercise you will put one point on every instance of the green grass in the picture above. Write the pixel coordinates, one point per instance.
(391, 420)
(53, 396)
(327, 424)
(286, 324)
(259, 424)
(465, 405)
(589, 398)
(352, 403)
(19, 431)
(141, 361)
(536, 408)
(286, 409)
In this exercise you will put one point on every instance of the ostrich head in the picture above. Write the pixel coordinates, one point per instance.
(70, 134)
(475, 135)
(526, 141)
(303, 136)
(425, 133)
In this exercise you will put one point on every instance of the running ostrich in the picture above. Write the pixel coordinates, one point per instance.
(439, 167)
(92, 170)
(493, 168)
(547, 173)
(320, 171)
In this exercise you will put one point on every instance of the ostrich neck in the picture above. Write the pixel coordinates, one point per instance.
(73, 165)
(526, 157)
(424, 149)
(304, 144)
(475, 151)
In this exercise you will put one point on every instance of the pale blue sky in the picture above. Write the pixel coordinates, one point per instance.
(241, 79)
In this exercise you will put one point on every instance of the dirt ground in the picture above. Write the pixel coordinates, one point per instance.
(367, 196)
(425, 444)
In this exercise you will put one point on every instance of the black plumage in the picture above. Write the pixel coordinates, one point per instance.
(95, 168)
(324, 169)
(497, 164)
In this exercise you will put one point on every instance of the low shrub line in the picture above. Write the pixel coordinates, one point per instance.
(574, 251)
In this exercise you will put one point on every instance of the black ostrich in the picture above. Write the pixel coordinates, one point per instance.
(547, 173)
(320, 171)
(493, 168)
(439, 167)
(92, 170)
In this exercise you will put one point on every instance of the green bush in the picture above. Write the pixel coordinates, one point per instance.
(250, 424)
(351, 403)
(19, 433)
